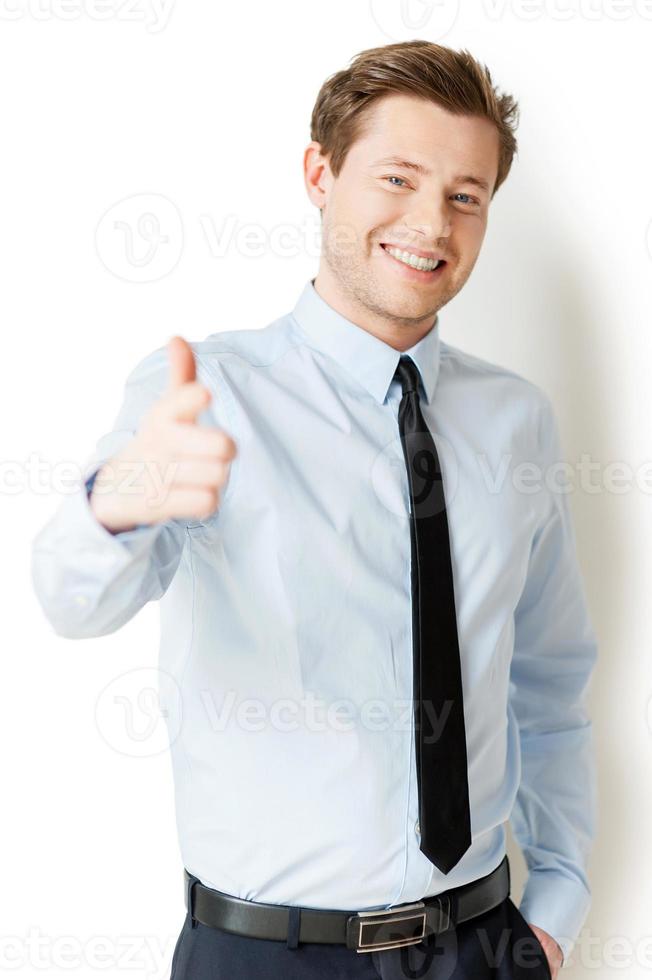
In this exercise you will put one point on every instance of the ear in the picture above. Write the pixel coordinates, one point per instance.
(317, 174)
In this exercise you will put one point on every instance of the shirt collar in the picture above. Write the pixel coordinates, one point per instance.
(370, 360)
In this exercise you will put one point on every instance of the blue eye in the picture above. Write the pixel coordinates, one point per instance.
(470, 199)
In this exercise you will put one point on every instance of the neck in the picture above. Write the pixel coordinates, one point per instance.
(399, 333)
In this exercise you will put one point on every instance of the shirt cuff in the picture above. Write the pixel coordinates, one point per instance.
(557, 904)
(127, 539)
(125, 543)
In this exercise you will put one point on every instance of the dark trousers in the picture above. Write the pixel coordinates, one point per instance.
(497, 945)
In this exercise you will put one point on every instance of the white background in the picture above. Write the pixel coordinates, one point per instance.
(207, 108)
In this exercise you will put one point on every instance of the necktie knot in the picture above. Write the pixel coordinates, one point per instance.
(408, 374)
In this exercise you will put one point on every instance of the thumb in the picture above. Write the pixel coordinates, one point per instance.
(182, 362)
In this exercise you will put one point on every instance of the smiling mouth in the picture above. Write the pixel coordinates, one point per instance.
(422, 267)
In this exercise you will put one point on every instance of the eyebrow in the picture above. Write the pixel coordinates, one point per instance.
(419, 169)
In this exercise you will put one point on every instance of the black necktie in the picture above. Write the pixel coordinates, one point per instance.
(440, 737)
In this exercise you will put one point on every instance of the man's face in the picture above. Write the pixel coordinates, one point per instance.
(373, 204)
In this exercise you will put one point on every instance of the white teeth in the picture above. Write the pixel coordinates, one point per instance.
(416, 261)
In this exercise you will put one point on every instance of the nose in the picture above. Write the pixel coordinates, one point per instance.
(431, 221)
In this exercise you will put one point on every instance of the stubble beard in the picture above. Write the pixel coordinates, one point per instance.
(367, 290)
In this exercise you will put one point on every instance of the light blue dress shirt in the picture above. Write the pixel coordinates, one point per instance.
(286, 646)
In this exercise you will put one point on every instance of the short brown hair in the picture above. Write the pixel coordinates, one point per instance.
(452, 79)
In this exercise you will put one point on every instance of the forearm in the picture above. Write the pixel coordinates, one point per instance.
(90, 581)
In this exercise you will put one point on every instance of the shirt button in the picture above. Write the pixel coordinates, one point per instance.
(417, 827)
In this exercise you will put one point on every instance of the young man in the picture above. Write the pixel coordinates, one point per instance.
(333, 513)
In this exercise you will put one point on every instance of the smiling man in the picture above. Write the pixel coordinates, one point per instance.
(405, 217)
(346, 539)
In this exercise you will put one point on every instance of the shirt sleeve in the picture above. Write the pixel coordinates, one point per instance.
(88, 580)
(555, 650)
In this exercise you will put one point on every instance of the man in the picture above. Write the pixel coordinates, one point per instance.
(334, 514)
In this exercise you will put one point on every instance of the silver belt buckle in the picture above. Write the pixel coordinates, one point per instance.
(414, 913)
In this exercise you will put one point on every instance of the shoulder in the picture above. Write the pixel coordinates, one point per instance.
(501, 386)
(221, 353)
(256, 347)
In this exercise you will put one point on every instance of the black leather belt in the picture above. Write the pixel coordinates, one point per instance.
(400, 925)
